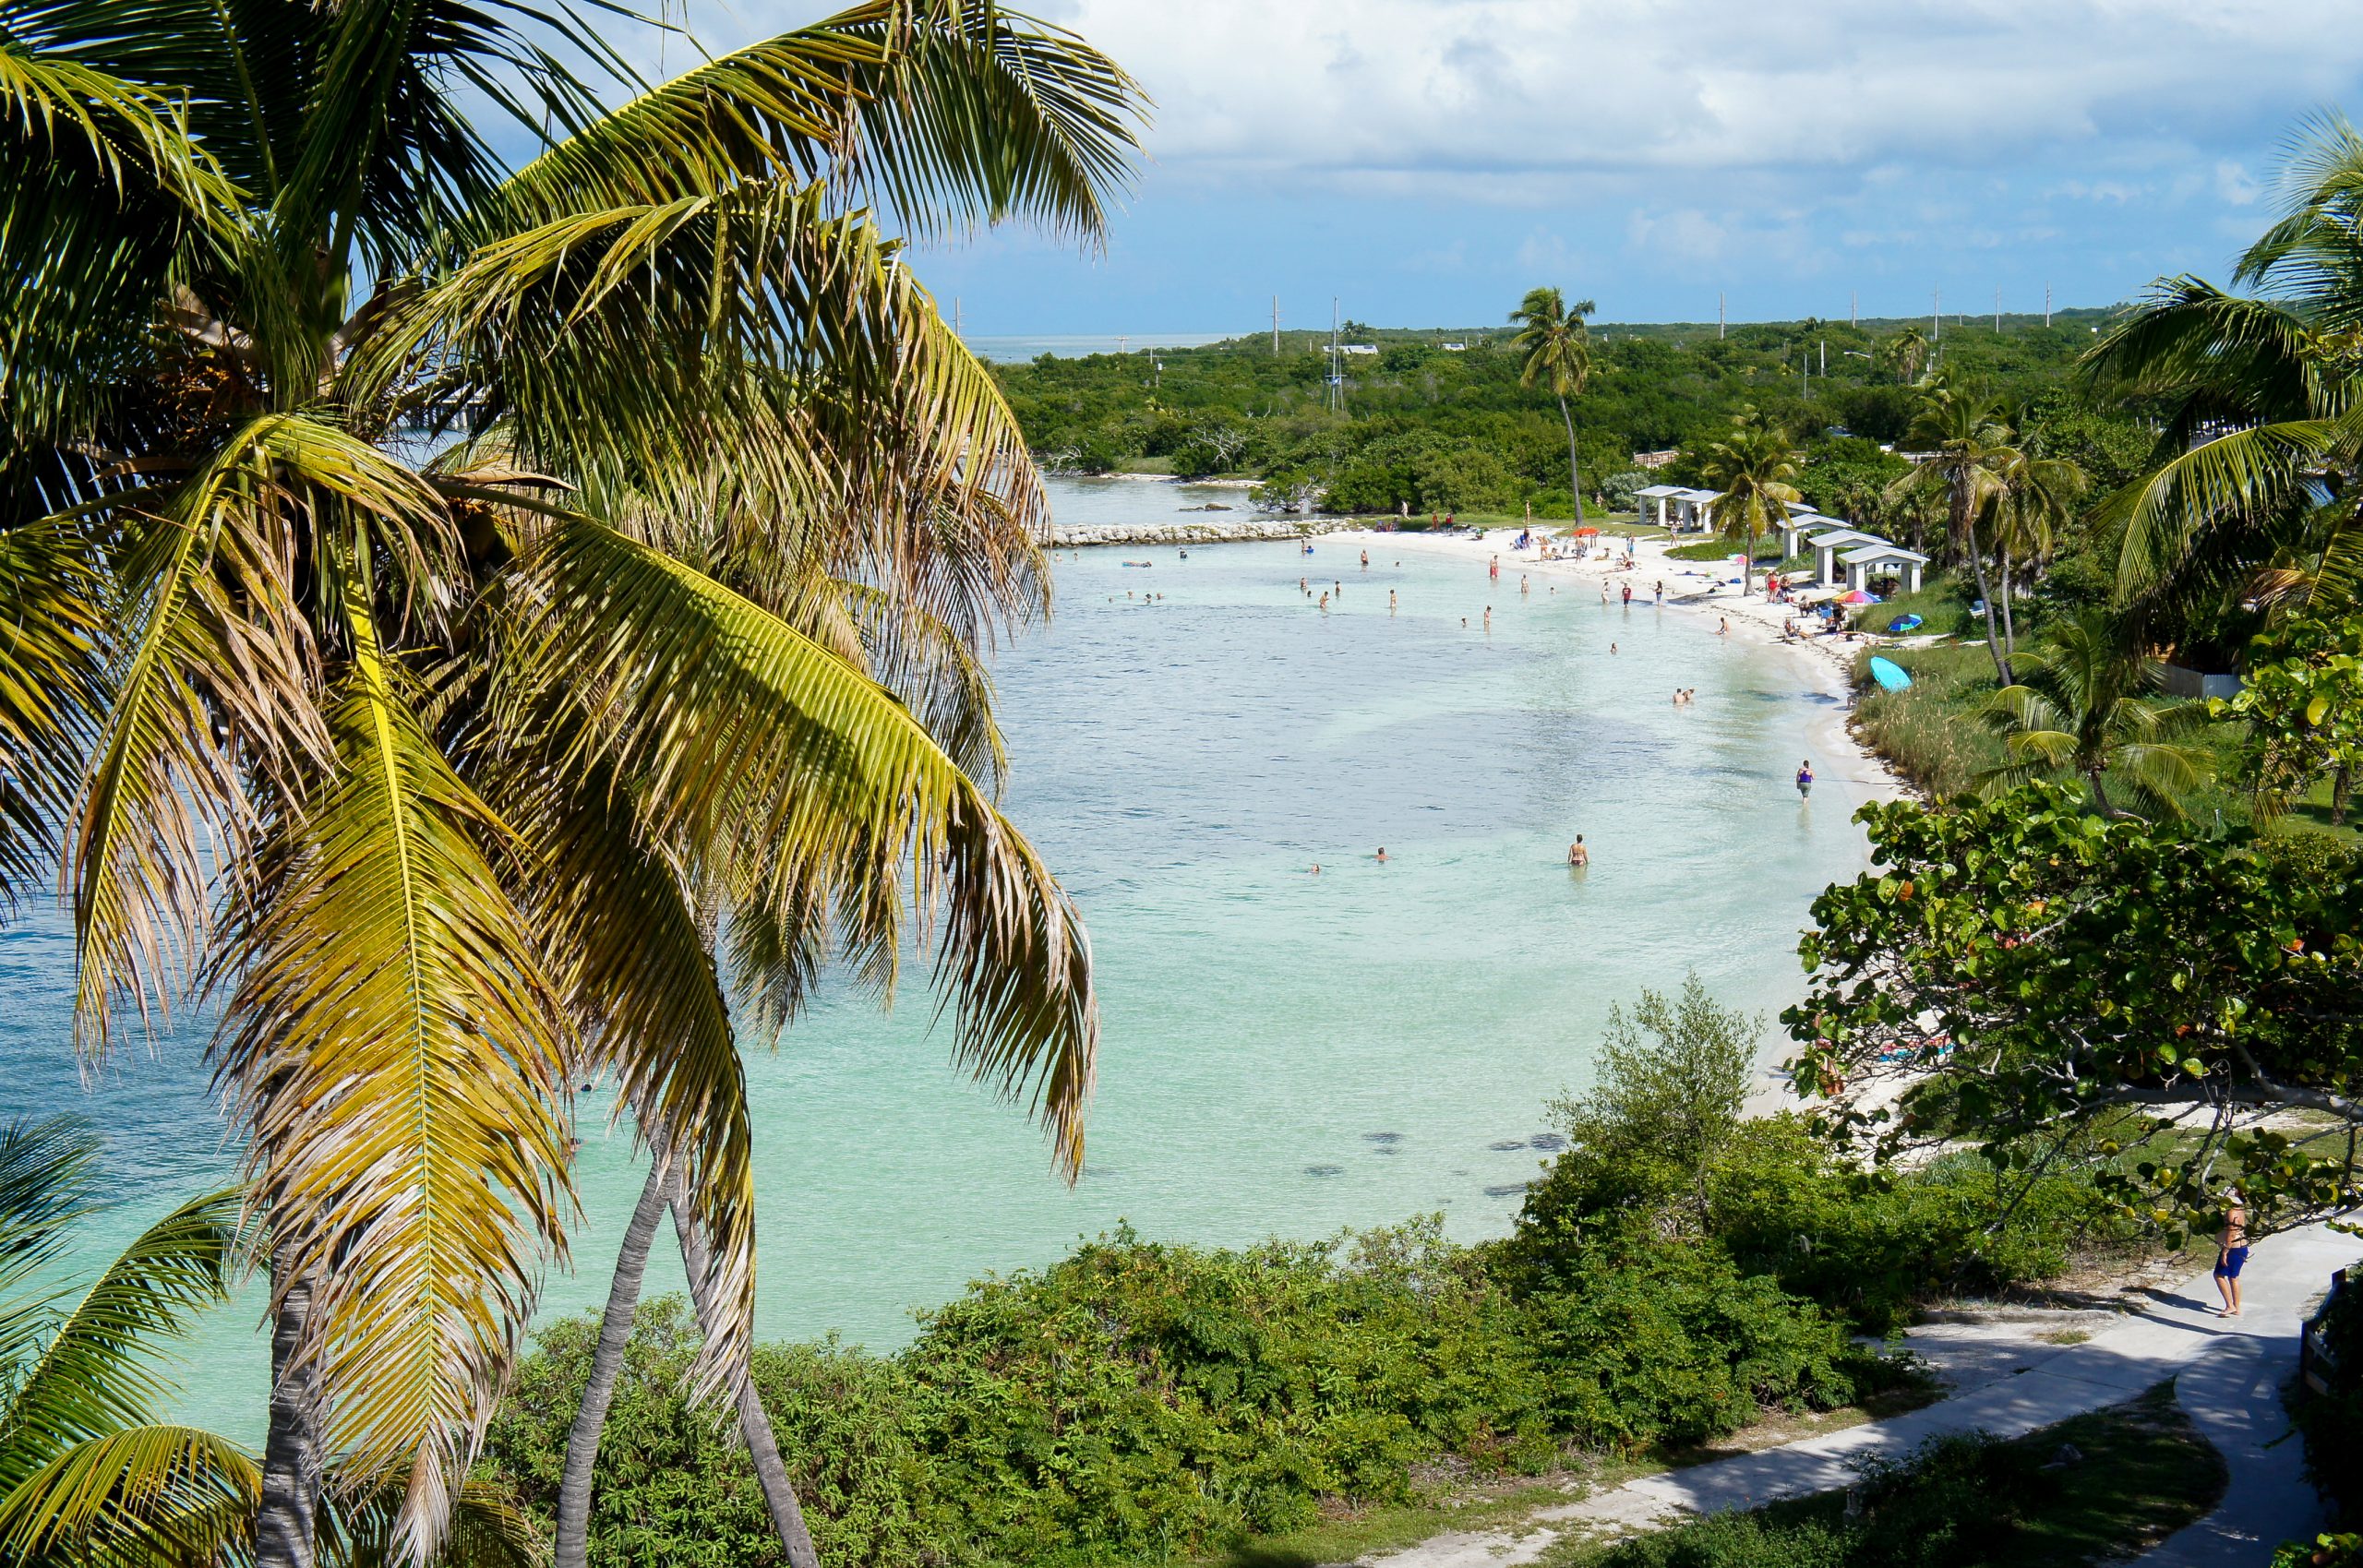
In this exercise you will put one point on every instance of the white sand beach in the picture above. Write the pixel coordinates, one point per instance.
(1703, 588)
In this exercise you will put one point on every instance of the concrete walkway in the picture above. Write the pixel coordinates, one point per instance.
(2231, 1371)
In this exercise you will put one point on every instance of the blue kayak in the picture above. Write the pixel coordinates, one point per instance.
(1890, 675)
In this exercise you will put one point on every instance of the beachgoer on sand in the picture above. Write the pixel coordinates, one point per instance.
(1722, 626)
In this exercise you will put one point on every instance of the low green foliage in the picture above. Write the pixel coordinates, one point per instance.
(1766, 548)
(1146, 1401)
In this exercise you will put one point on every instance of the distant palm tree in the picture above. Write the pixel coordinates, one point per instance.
(464, 781)
(1557, 347)
(1756, 468)
(2032, 497)
(1905, 354)
(2084, 709)
(1970, 438)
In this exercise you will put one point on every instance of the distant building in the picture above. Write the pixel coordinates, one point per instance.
(1452, 347)
(1357, 348)
(1655, 460)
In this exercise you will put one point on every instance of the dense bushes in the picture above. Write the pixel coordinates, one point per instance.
(1139, 1400)
(2332, 1422)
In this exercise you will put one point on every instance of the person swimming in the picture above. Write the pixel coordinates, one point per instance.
(1382, 855)
(1576, 853)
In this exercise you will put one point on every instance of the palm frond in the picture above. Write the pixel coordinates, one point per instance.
(399, 1058)
(135, 1497)
(2159, 518)
(744, 739)
(52, 595)
(99, 1370)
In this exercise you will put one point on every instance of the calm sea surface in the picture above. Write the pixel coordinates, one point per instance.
(1285, 1053)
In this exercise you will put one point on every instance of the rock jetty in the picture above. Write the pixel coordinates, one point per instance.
(1245, 528)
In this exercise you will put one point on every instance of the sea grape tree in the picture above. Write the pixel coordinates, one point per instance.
(2020, 973)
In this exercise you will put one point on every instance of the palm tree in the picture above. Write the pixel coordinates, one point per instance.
(460, 785)
(1970, 440)
(90, 1472)
(2031, 497)
(1905, 354)
(2253, 496)
(1557, 353)
(1756, 468)
(2083, 709)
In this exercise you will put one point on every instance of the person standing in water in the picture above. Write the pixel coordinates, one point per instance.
(1365, 561)
(1390, 601)
(1660, 598)
(1325, 604)
(1382, 855)
(1494, 569)
(1576, 853)
(1489, 618)
(1805, 775)
(1522, 584)
(1629, 595)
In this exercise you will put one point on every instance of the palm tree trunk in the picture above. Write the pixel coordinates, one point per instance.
(1967, 534)
(2101, 803)
(1575, 485)
(754, 1425)
(286, 1519)
(573, 1531)
(2009, 631)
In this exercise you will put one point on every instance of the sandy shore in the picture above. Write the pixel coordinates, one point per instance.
(1704, 589)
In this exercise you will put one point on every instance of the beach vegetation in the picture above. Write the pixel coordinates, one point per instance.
(2021, 972)
(2084, 707)
(1755, 466)
(1150, 1400)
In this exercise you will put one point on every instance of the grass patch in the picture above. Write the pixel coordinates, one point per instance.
(2138, 1473)
(1927, 730)
(1766, 553)
(1941, 604)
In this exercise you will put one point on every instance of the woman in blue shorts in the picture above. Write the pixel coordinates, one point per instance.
(2231, 1251)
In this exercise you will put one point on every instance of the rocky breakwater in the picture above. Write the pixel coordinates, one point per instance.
(1195, 531)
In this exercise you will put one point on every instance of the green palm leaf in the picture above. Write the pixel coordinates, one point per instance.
(97, 1368)
(137, 1497)
(399, 1056)
(744, 737)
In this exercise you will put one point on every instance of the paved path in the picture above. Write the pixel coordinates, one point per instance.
(2230, 1370)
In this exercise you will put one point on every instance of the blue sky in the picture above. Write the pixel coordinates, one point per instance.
(1427, 161)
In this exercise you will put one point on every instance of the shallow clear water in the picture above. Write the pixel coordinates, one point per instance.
(1285, 1053)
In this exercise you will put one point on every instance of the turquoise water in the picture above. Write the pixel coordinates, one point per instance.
(1285, 1053)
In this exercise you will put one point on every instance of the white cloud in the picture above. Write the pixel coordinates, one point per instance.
(2235, 184)
(1490, 98)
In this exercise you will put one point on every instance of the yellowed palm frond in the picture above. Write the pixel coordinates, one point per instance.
(749, 744)
(398, 1056)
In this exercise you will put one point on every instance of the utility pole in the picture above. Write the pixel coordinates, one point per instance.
(1936, 316)
(1720, 323)
(1825, 359)
(957, 331)
(1853, 308)
(1276, 325)
(1998, 313)
(1337, 377)
(2046, 305)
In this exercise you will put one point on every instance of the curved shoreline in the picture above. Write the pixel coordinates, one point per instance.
(1825, 663)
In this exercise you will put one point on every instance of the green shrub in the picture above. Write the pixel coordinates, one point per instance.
(1138, 1400)
(1719, 549)
(1673, 1344)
